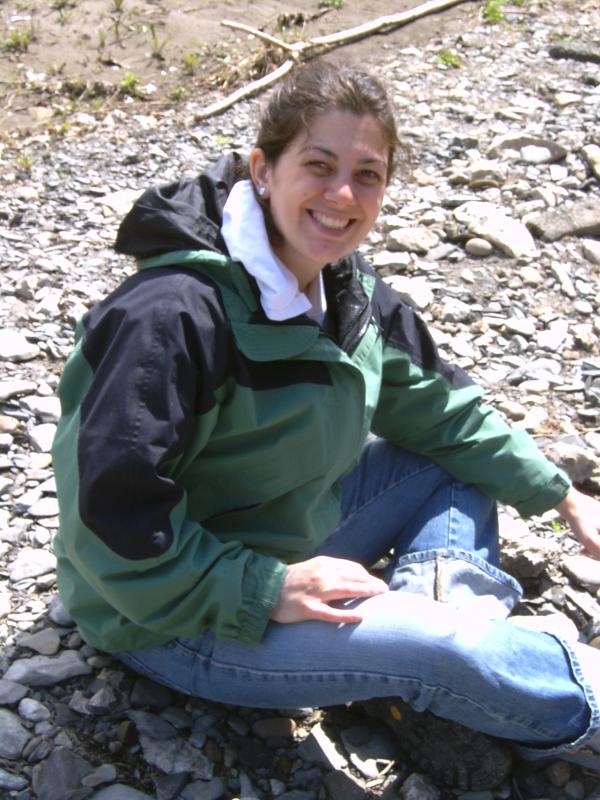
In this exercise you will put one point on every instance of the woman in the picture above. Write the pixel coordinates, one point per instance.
(220, 509)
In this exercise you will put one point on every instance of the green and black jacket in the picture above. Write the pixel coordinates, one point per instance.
(201, 445)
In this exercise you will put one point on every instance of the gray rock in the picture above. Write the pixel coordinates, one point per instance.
(8, 780)
(576, 50)
(176, 755)
(152, 726)
(119, 791)
(45, 642)
(418, 787)
(11, 692)
(106, 773)
(13, 736)
(59, 774)
(32, 710)
(583, 570)
(46, 671)
(581, 218)
(214, 789)
(519, 144)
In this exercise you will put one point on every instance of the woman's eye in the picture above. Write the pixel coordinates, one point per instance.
(318, 165)
(371, 176)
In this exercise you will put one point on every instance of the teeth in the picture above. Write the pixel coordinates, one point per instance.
(330, 222)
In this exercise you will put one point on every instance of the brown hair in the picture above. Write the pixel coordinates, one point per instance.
(317, 87)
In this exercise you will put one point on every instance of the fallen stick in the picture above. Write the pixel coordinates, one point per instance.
(266, 37)
(246, 91)
(300, 51)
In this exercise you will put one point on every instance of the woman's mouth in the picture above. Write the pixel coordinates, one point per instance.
(333, 223)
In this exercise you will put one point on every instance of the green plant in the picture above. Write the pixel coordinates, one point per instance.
(118, 6)
(449, 59)
(330, 3)
(557, 526)
(23, 163)
(190, 62)
(130, 85)
(222, 140)
(18, 41)
(178, 93)
(157, 45)
(493, 11)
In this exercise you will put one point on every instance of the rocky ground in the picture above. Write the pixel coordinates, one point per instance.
(495, 239)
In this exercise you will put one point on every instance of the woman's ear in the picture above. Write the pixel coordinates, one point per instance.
(259, 171)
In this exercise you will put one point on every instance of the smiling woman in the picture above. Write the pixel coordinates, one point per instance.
(325, 190)
(222, 503)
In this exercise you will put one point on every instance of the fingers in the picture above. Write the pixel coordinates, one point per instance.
(311, 586)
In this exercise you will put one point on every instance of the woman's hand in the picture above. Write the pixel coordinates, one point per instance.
(310, 586)
(583, 515)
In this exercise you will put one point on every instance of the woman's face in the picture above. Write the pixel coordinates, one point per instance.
(325, 190)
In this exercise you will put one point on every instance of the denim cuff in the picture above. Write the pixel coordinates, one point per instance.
(460, 578)
(585, 682)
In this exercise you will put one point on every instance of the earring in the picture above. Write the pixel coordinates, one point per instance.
(262, 190)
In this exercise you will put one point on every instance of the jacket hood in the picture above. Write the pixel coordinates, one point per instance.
(184, 215)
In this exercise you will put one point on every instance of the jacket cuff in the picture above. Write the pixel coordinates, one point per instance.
(260, 589)
(552, 494)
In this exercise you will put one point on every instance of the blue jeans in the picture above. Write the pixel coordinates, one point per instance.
(438, 639)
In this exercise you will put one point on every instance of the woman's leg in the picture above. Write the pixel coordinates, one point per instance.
(485, 674)
(454, 658)
(443, 533)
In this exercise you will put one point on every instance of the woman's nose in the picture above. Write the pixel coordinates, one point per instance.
(340, 191)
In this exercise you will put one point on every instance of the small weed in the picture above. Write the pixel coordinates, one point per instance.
(18, 41)
(23, 164)
(559, 36)
(557, 526)
(178, 93)
(449, 59)
(130, 85)
(190, 62)
(118, 6)
(330, 3)
(493, 12)
(97, 103)
(157, 45)
(222, 140)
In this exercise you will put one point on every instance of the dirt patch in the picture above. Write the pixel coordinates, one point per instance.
(71, 55)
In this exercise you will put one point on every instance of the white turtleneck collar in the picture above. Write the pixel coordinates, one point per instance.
(246, 238)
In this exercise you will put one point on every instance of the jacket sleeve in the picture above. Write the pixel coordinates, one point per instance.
(434, 409)
(145, 378)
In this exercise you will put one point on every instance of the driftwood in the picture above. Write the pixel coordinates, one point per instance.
(302, 51)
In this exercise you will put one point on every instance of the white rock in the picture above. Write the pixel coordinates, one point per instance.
(415, 240)
(491, 222)
(524, 326)
(30, 563)
(10, 389)
(42, 436)
(591, 250)
(415, 291)
(479, 247)
(14, 346)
